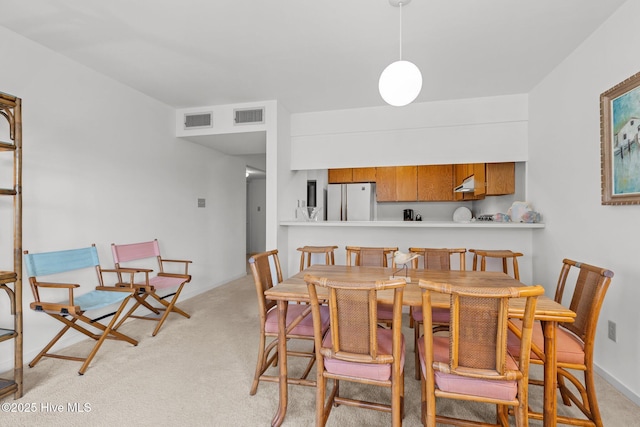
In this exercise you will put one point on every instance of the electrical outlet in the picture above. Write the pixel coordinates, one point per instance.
(612, 331)
(201, 203)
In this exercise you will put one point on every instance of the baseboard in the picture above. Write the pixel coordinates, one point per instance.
(617, 385)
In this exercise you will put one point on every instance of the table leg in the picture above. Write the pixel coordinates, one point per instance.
(282, 362)
(550, 374)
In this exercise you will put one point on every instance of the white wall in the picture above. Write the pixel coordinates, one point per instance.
(462, 131)
(564, 181)
(102, 165)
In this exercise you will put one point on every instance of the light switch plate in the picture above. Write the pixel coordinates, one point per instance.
(201, 203)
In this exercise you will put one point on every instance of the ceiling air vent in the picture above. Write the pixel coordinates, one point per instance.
(248, 116)
(198, 120)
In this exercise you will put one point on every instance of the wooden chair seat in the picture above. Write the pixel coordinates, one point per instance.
(569, 348)
(304, 328)
(502, 390)
(372, 371)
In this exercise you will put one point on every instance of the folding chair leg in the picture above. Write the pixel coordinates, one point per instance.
(175, 308)
(169, 308)
(44, 351)
(106, 331)
(140, 301)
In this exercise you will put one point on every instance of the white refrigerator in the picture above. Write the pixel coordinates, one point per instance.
(351, 202)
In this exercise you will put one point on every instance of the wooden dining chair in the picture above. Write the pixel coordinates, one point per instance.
(307, 252)
(374, 257)
(370, 256)
(299, 322)
(480, 260)
(355, 349)
(472, 362)
(574, 341)
(433, 259)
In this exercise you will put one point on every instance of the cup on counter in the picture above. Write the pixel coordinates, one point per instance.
(408, 214)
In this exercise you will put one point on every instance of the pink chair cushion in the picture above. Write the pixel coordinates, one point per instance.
(504, 390)
(569, 348)
(373, 371)
(438, 315)
(385, 311)
(164, 282)
(304, 328)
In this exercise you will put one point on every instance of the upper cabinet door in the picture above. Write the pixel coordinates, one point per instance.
(435, 183)
(501, 178)
(407, 183)
(340, 176)
(364, 174)
(480, 180)
(386, 184)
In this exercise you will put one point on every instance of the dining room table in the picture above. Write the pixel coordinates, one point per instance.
(294, 289)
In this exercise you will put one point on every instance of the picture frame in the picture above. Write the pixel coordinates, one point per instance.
(620, 143)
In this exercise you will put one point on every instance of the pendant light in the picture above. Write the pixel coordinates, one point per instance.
(400, 83)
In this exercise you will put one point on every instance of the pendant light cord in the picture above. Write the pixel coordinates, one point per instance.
(400, 31)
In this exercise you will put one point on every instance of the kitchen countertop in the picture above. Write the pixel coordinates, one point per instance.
(414, 224)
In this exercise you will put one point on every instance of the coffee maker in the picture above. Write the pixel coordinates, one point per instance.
(408, 214)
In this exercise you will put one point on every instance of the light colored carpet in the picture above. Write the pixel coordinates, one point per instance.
(198, 371)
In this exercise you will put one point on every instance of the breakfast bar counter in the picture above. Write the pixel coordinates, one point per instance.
(517, 237)
(415, 224)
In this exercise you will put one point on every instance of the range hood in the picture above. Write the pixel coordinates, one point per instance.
(467, 186)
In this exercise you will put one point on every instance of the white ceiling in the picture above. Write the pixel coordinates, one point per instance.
(309, 55)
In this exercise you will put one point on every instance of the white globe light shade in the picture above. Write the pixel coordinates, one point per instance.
(400, 83)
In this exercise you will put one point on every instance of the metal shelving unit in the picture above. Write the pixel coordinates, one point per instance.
(11, 281)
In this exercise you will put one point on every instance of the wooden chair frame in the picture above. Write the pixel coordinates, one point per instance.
(357, 342)
(72, 311)
(485, 363)
(589, 291)
(433, 259)
(268, 352)
(374, 257)
(306, 253)
(503, 254)
(438, 258)
(124, 256)
(359, 255)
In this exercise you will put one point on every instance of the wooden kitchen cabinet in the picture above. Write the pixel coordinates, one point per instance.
(501, 178)
(431, 183)
(397, 184)
(464, 171)
(406, 183)
(386, 184)
(435, 183)
(491, 179)
(347, 175)
(364, 174)
(340, 176)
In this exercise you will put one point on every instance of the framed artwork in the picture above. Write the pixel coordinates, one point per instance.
(620, 143)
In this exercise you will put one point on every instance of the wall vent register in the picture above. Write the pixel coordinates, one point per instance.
(247, 116)
(198, 120)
